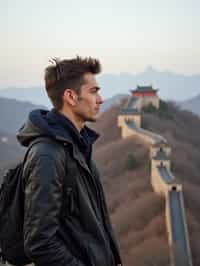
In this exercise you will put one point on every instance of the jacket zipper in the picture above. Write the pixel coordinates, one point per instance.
(92, 185)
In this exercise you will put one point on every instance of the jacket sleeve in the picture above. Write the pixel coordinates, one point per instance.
(43, 199)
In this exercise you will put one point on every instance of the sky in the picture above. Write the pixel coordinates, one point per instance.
(125, 35)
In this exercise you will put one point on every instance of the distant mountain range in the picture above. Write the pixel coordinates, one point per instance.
(13, 114)
(34, 95)
(10, 151)
(192, 105)
(115, 100)
(171, 86)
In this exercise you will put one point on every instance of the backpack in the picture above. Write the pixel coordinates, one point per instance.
(12, 213)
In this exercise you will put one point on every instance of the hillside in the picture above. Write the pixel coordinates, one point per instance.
(137, 212)
(13, 113)
(182, 131)
(10, 151)
(192, 104)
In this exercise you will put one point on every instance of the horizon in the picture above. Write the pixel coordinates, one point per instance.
(147, 68)
(171, 86)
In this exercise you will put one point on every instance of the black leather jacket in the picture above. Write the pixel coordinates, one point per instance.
(66, 218)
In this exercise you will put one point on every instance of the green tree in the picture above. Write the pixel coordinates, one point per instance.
(150, 108)
(131, 162)
(164, 110)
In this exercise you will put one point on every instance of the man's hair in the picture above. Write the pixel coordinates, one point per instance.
(67, 73)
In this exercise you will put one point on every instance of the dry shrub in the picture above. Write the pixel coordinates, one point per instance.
(139, 214)
(153, 251)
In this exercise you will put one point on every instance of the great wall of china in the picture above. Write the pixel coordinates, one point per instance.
(162, 179)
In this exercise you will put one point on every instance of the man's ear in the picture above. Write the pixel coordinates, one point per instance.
(70, 97)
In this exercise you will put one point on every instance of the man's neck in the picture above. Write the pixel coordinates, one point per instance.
(78, 124)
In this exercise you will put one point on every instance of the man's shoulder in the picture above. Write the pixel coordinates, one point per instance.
(47, 147)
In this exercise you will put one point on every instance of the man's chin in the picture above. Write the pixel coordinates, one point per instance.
(92, 119)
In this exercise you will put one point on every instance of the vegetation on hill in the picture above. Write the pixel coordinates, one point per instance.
(164, 110)
(182, 133)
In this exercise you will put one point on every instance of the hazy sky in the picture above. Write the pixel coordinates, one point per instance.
(125, 35)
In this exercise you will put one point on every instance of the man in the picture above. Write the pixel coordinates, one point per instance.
(66, 218)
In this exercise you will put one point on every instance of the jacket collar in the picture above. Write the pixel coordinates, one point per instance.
(69, 134)
(66, 129)
(78, 156)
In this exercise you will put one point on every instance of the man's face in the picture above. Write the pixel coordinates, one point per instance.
(88, 100)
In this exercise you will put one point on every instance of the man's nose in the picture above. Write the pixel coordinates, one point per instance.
(99, 99)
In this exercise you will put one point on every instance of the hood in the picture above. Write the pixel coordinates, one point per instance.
(37, 125)
(43, 123)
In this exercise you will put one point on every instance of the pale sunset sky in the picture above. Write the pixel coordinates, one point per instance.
(125, 35)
